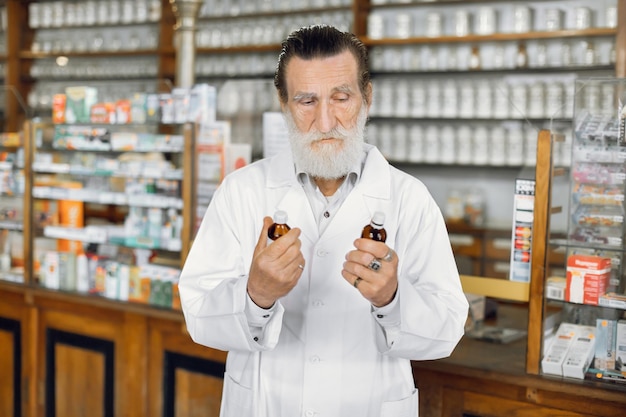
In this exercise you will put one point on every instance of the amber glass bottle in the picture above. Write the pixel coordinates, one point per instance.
(375, 230)
(279, 227)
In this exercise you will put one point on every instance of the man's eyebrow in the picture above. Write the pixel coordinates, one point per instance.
(345, 88)
(301, 96)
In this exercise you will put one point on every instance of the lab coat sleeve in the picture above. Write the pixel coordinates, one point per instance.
(213, 282)
(428, 317)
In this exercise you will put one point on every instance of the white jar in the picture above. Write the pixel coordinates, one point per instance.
(480, 148)
(501, 100)
(522, 19)
(418, 99)
(416, 143)
(536, 103)
(464, 145)
(400, 139)
(486, 21)
(431, 144)
(466, 99)
(515, 145)
(404, 25)
(376, 26)
(433, 99)
(484, 100)
(462, 23)
(450, 102)
(519, 96)
(554, 100)
(582, 18)
(402, 102)
(447, 147)
(385, 140)
(433, 25)
(553, 19)
(611, 16)
(497, 146)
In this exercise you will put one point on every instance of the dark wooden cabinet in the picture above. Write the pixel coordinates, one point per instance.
(67, 355)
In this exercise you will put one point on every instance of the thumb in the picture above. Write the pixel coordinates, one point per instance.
(262, 242)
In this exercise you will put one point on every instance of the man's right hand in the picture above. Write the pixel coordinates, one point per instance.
(276, 267)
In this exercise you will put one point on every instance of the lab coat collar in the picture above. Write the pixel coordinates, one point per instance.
(373, 186)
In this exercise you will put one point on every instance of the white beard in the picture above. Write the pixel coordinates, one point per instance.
(327, 161)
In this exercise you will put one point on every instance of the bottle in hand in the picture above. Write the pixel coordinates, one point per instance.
(376, 230)
(279, 227)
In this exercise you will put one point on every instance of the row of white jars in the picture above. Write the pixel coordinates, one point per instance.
(437, 21)
(213, 8)
(511, 144)
(263, 30)
(501, 55)
(500, 98)
(91, 12)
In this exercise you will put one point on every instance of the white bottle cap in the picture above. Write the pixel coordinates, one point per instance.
(280, 217)
(379, 218)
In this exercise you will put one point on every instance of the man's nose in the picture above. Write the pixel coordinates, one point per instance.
(325, 118)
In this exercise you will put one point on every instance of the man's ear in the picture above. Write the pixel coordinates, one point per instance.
(280, 101)
(368, 95)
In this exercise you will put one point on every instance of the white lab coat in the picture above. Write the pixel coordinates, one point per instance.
(323, 352)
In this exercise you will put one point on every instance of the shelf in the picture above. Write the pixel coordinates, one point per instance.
(11, 225)
(237, 49)
(150, 173)
(497, 288)
(516, 70)
(599, 246)
(27, 55)
(112, 198)
(609, 300)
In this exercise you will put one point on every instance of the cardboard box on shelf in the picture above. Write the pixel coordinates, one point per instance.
(586, 278)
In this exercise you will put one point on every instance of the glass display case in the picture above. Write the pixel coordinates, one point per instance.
(590, 342)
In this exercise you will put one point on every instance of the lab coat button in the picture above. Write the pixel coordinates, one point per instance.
(318, 303)
(314, 359)
(309, 413)
(321, 252)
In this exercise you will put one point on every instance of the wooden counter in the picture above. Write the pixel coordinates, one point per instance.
(125, 359)
(488, 380)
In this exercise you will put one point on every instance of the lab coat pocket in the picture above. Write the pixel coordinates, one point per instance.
(237, 400)
(406, 407)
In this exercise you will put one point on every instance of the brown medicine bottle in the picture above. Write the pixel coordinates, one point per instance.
(279, 227)
(375, 230)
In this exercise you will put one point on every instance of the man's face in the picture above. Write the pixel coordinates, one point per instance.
(326, 114)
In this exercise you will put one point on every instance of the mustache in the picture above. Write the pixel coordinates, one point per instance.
(336, 133)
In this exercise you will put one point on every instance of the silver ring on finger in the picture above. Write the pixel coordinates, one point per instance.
(356, 281)
(375, 265)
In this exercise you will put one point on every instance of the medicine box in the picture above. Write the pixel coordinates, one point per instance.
(606, 332)
(580, 353)
(523, 206)
(552, 361)
(587, 277)
(78, 102)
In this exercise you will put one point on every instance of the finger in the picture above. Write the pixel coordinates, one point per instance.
(377, 249)
(262, 242)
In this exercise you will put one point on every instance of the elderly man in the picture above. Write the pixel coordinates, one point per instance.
(322, 322)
